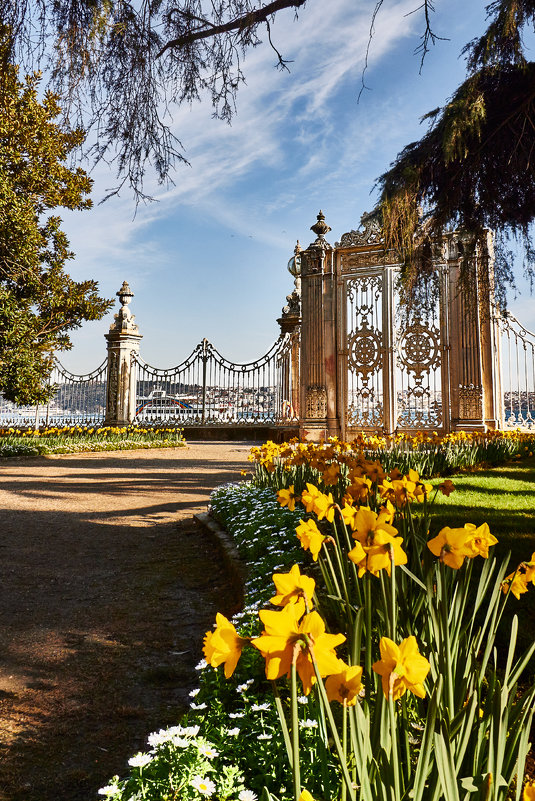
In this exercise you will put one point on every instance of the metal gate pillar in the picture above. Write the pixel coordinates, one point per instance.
(123, 341)
(318, 417)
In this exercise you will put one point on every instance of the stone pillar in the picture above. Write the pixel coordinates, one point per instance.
(123, 341)
(318, 406)
(290, 323)
(490, 339)
(474, 358)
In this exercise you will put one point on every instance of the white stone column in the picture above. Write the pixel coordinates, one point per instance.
(123, 342)
(318, 409)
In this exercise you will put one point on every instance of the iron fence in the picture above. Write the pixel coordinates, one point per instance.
(78, 400)
(208, 389)
(517, 346)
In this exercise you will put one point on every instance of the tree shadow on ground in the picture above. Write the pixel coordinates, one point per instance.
(95, 656)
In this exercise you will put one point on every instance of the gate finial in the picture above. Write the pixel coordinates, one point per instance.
(124, 319)
(320, 228)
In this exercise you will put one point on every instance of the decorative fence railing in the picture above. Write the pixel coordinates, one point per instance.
(206, 389)
(78, 400)
(517, 346)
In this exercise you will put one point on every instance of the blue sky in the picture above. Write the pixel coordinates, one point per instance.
(209, 258)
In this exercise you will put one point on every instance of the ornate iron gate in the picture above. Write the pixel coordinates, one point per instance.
(391, 361)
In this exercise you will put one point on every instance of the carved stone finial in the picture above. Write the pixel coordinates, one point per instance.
(320, 227)
(297, 249)
(124, 319)
(125, 294)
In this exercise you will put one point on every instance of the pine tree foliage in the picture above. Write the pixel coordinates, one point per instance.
(474, 169)
(39, 302)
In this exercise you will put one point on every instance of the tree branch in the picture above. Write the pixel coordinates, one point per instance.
(246, 21)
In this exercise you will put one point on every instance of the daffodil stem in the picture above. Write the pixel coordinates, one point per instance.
(331, 568)
(394, 742)
(393, 609)
(344, 745)
(334, 730)
(406, 761)
(284, 726)
(342, 576)
(296, 774)
(446, 638)
(368, 653)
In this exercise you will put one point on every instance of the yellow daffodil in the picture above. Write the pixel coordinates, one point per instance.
(530, 569)
(359, 489)
(289, 636)
(345, 685)
(451, 546)
(376, 542)
(358, 555)
(529, 792)
(292, 586)
(480, 540)
(366, 523)
(308, 497)
(401, 668)
(223, 645)
(305, 796)
(288, 497)
(517, 584)
(379, 555)
(348, 513)
(374, 471)
(325, 507)
(331, 474)
(310, 537)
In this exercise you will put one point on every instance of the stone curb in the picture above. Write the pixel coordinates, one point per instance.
(232, 559)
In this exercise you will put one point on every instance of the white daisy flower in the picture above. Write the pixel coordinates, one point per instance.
(233, 732)
(302, 699)
(203, 786)
(264, 737)
(260, 707)
(247, 795)
(207, 750)
(197, 706)
(193, 693)
(139, 760)
(236, 714)
(308, 724)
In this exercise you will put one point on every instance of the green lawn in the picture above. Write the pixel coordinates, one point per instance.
(503, 497)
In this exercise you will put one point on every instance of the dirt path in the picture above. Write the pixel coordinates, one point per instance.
(103, 603)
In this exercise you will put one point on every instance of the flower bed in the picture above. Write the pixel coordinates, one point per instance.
(86, 439)
(430, 455)
(374, 675)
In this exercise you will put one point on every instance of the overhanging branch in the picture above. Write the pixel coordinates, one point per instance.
(239, 23)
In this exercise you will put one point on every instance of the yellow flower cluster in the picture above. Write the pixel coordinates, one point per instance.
(377, 544)
(294, 635)
(454, 545)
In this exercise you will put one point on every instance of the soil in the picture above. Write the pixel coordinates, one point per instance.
(107, 587)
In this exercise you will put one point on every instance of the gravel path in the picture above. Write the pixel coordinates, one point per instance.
(106, 590)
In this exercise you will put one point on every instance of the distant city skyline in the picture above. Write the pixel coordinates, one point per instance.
(208, 259)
